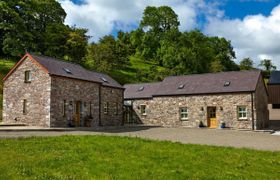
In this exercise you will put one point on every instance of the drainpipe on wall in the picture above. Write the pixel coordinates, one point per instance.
(252, 106)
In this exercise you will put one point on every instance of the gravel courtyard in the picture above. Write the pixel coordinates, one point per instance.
(217, 137)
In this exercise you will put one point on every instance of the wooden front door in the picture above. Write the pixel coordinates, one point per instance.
(78, 113)
(211, 115)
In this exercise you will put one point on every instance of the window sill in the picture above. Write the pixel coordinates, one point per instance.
(184, 119)
(243, 119)
(143, 114)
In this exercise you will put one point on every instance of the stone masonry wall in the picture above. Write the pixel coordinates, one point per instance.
(71, 91)
(165, 110)
(113, 97)
(36, 93)
(261, 102)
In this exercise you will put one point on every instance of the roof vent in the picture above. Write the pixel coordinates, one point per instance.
(181, 86)
(68, 71)
(104, 79)
(141, 88)
(227, 83)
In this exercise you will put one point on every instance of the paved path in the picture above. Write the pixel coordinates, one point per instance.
(217, 137)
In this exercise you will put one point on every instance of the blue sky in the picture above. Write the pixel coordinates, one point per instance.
(253, 26)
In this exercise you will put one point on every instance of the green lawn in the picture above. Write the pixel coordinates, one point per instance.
(101, 157)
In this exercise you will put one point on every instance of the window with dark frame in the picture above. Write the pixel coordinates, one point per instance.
(275, 106)
(64, 108)
(90, 109)
(184, 113)
(27, 76)
(143, 109)
(106, 104)
(116, 108)
(24, 109)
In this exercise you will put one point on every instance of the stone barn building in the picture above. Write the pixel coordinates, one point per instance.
(232, 99)
(43, 91)
(273, 86)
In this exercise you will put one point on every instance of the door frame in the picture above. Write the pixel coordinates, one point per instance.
(78, 105)
(208, 116)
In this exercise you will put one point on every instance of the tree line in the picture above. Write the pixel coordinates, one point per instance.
(38, 27)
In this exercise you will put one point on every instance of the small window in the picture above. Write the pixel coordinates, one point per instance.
(64, 108)
(181, 86)
(275, 106)
(242, 112)
(24, 110)
(227, 83)
(141, 88)
(90, 108)
(143, 109)
(184, 114)
(115, 108)
(106, 104)
(68, 71)
(104, 79)
(27, 76)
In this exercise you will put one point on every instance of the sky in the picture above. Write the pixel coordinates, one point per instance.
(252, 26)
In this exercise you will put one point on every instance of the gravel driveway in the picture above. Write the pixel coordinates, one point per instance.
(217, 137)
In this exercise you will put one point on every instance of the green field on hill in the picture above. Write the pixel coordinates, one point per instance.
(104, 157)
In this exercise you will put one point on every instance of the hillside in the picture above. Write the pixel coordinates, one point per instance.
(5, 66)
(138, 71)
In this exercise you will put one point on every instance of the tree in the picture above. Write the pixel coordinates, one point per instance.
(246, 64)
(159, 19)
(267, 65)
(23, 24)
(76, 45)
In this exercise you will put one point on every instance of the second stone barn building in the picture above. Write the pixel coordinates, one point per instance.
(43, 91)
(235, 99)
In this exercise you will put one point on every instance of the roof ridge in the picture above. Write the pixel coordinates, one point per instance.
(56, 59)
(143, 83)
(213, 73)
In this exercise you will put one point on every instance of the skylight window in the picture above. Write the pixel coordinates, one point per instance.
(181, 86)
(141, 88)
(104, 79)
(227, 83)
(68, 71)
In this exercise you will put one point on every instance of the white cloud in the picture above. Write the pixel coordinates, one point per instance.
(254, 36)
(101, 17)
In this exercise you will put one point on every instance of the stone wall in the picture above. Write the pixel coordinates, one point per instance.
(36, 93)
(261, 106)
(165, 110)
(114, 98)
(73, 91)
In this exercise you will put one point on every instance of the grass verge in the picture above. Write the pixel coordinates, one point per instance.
(102, 157)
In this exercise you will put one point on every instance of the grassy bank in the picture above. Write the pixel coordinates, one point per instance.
(99, 157)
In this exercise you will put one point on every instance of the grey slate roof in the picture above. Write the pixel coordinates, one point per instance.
(57, 67)
(212, 83)
(274, 78)
(133, 91)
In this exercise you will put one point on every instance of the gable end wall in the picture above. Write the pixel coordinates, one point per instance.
(37, 94)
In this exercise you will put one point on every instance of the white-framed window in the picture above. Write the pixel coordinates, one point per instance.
(184, 113)
(27, 76)
(242, 112)
(106, 104)
(143, 109)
